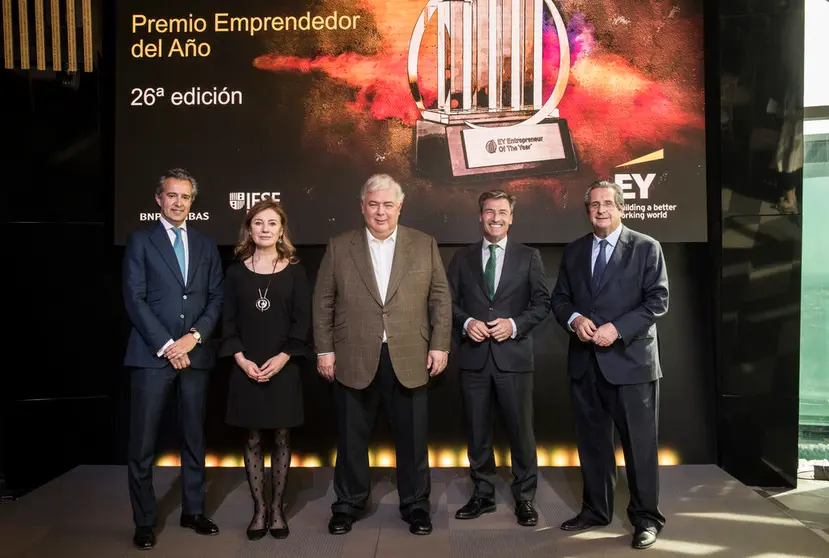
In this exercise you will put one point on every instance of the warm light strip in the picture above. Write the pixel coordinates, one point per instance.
(466, 11)
(40, 36)
(442, 9)
(23, 17)
(538, 45)
(56, 53)
(86, 20)
(516, 59)
(8, 39)
(71, 37)
(558, 456)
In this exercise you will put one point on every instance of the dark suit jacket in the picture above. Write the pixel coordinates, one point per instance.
(522, 295)
(158, 303)
(349, 316)
(633, 294)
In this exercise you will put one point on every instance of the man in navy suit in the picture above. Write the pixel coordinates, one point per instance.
(611, 289)
(499, 295)
(173, 295)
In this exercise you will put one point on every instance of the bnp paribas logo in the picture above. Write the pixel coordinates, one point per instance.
(245, 200)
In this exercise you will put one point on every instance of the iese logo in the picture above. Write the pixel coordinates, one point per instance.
(641, 183)
(239, 200)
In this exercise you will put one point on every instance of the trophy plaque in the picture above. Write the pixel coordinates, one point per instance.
(490, 118)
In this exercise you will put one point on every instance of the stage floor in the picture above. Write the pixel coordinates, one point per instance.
(86, 513)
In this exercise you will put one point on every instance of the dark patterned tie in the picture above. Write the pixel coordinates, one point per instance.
(599, 266)
(489, 271)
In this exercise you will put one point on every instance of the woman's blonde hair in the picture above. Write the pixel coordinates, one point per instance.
(245, 247)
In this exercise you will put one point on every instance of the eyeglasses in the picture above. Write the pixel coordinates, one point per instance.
(607, 204)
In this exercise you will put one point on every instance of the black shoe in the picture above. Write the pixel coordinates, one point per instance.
(578, 523)
(144, 538)
(526, 514)
(419, 522)
(200, 523)
(644, 537)
(256, 534)
(340, 523)
(279, 532)
(475, 507)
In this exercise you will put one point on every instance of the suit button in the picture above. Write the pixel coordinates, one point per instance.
(181, 316)
(490, 309)
(184, 297)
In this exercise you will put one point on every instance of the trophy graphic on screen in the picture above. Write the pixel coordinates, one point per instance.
(490, 117)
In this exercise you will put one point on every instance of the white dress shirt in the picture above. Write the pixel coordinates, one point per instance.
(382, 257)
(612, 241)
(499, 267)
(172, 236)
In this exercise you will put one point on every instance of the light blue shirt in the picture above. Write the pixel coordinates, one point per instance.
(172, 236)
(612, 241)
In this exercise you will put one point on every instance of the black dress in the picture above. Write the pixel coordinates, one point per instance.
(283, 327)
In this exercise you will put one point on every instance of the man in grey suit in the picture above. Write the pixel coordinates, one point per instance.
(611, 289)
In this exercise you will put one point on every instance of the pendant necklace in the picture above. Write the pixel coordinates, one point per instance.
(262, 303)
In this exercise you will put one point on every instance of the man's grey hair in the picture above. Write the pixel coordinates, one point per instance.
(176, 174)
(381, 182)
(620, 196)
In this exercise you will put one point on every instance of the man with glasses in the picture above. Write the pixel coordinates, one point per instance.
(611, 289)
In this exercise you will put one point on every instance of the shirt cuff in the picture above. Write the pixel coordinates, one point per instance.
(514, 329)
(465, 325)
(323, 354)
(160, 352)
(570, 321)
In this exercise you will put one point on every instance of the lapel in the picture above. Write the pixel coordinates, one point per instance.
(161, 240)
(585, 258)
(362, 261)
(620, 254)
(402, 257)
(507, 270)
(474, 260)
(194, 246)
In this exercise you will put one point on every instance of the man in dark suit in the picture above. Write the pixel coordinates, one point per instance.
(382, 328)
(499, 294)
(611, 289)
(173, 295)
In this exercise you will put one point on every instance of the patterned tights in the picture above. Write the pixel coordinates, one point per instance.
(255, 469)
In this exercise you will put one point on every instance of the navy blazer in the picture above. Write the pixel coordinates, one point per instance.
(632, 295)
(159, 304)
(522, 295)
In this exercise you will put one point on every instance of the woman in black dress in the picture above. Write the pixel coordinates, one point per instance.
(266, 325)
